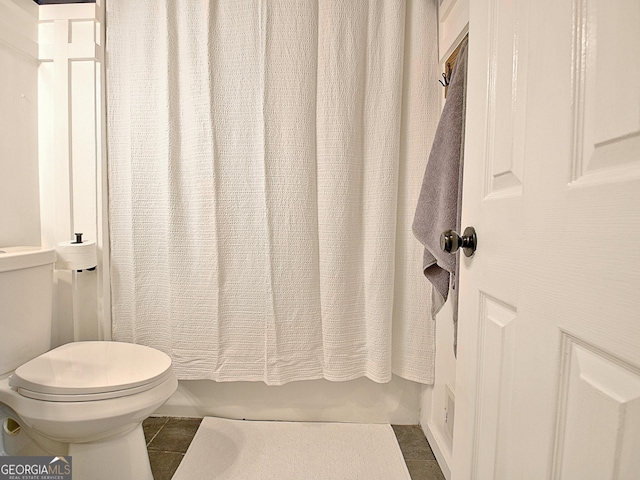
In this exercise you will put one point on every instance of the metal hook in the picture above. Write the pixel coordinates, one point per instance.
(446, 75)
(446, 80)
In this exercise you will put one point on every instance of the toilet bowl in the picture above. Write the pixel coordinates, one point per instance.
(92, 397)
(83, 399)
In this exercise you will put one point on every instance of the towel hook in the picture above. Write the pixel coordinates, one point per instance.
(446, 76)
(444, 83)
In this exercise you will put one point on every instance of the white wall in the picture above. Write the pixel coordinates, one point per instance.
(19, 198)
(72, 186)
(453, 25)
(433, 403)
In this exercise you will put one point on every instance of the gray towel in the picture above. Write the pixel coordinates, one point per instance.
(440, 197)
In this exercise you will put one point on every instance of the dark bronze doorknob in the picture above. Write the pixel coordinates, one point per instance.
(450, 241)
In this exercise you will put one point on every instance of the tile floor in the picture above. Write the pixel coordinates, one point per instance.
(169, 437)
(417, 453)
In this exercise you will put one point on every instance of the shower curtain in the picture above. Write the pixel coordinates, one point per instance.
(265, 158)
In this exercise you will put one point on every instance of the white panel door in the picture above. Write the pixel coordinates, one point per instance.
(548, 373)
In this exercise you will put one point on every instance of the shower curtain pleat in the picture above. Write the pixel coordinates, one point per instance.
(264, 159)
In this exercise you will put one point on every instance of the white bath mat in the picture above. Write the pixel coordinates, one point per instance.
(247, 450)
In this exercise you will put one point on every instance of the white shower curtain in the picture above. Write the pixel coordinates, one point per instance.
(265, 158)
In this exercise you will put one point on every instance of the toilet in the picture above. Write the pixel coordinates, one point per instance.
(86, 400)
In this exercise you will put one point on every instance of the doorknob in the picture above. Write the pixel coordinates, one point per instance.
(450, 241)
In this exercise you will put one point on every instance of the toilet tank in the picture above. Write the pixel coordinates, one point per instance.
(26, 292)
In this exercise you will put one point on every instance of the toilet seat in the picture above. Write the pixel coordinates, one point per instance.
(89, 371)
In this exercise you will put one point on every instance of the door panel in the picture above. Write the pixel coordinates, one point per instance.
(548, 370)
(495, 383)
(506, 105)
(598, 392)
(606, 92)
(489, 289)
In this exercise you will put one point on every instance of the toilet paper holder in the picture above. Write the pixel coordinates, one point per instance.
(79, 240)
(76, 255)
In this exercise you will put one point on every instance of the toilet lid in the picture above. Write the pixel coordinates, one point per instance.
(87, 368)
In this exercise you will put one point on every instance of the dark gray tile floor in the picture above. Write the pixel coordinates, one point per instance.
(417, 453)
(167, 441)
(169, 437)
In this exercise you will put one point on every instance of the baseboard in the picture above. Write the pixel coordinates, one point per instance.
(440, 449)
